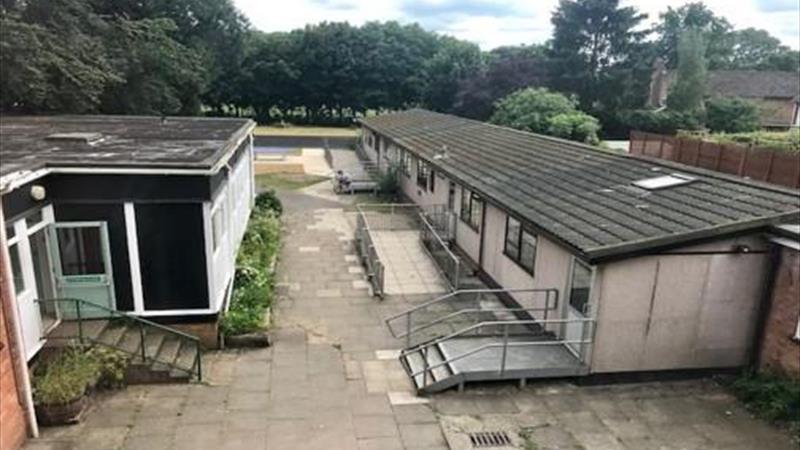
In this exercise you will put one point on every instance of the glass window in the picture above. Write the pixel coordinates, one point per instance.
(527, 253)
(409, 161)
(16, 269)
(432, 182)
(512, 238)
(471, 209)
(579, 287)
(422, 174)
(476, 212)
(10, 232)
(81, 251)
(464, 213)
(34, 219)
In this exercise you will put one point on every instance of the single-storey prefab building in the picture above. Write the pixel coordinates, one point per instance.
(668, 262)
(141, 215)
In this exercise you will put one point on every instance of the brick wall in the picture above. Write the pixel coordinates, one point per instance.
(12, 416)
(779, 351)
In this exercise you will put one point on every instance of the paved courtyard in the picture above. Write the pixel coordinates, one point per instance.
(332, 381)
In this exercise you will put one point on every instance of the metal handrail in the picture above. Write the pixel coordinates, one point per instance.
(452, 278)
(369, 254)
(430, 368)
(491, 323)
(427, 367)
(408, 313)
(195, 369)
(470, 310)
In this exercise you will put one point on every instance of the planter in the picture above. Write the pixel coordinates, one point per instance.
(65, 414)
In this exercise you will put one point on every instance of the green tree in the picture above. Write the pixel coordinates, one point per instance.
(731, 115)
(593, 44)
(715, 31)
(575, 126)
(757, 50)
(454, 62)
(161, 76)
(690, 86)
(539, 110)
(53, 58)
(506, 69)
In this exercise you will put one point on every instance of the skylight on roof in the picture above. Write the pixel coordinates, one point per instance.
(663, 181)
(76, 137)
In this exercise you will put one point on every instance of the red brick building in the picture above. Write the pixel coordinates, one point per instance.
(780, 344)
(13, 426)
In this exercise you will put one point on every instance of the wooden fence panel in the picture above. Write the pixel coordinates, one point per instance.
(773, 166)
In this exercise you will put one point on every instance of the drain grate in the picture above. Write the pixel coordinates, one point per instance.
(484, 439)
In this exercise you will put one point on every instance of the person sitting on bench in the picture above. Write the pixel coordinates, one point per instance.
(342, 181)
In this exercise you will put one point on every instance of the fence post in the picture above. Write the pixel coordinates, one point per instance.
(771, 163)
(743, 160)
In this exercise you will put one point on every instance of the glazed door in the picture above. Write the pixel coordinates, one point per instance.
(82, 266)
(577, 306)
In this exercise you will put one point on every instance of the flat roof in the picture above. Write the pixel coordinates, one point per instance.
(582, 196)
(29, 143)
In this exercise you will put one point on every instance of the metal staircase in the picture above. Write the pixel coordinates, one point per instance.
(470, 335)
(164, 353)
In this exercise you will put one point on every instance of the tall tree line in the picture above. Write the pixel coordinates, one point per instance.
(201, 56)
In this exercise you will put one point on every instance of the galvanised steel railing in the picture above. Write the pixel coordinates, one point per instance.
(454, 306)
(369, 255)
(583, 344)
(448, 263)
(137, 329)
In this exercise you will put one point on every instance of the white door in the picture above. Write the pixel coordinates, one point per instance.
(25, 289)
(577, 306)
(82, 267)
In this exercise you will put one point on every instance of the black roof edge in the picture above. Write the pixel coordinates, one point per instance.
(660, 162)
(648, 246)
(231, 144)
(623, 251)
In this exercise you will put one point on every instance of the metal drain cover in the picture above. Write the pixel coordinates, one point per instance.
(486, 439)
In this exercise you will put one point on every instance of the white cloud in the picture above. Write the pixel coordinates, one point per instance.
(492, 23)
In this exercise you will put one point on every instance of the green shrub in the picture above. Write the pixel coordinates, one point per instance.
(112, 365)
(575, 126)
(731, 115)
(663, 122)
(253, 282)
(772, 397)
(268, 201)
(388, 180)
(66, 377)
(779, 140)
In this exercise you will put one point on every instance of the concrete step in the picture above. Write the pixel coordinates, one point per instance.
(167, 353)
(152, 343)
(130, 340)
(113, 333)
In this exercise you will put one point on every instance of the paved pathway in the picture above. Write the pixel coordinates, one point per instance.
(332, 381)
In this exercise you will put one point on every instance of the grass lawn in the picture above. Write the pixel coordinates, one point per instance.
(305, 131)
(286, 181)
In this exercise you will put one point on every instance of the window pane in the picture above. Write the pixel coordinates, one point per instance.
(476, 213)
(10, 232)
(432, 182)
(512, 238)
(579, 289)
(527, 257)
(34, 218)
(81, 251)
(465, 195)
(16, 269)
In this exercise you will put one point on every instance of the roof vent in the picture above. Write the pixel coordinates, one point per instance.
(76, 138)
(663, 181)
